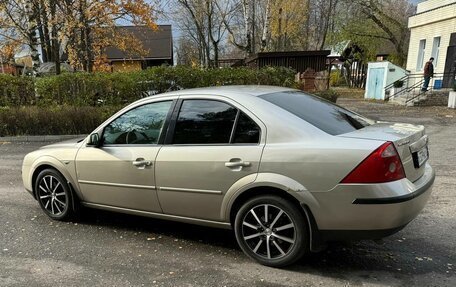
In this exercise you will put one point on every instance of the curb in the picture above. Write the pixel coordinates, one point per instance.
(45, 138)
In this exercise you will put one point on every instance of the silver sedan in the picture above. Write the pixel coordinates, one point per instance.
(286, 170)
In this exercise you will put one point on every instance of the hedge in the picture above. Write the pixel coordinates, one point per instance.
(16, 91)
(76, 103)
(84, 89)
(53, 120)
(331, 95)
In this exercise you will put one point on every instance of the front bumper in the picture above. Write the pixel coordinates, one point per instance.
(26, 179)
(351, 211)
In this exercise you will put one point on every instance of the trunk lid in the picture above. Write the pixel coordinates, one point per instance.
(409, 140)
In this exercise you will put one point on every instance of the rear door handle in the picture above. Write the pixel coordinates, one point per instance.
(140, 162)
(237, 164)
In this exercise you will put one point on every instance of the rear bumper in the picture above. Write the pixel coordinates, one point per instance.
(371, 211)
(398, 199)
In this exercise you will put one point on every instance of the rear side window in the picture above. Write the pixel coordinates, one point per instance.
(204, 122)
(214, 122)
(247, 131)
(323, 114)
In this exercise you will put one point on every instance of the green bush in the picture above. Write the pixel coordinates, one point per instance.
(16, 91)
(53, 120)
(398, 84)
(83, 89)
(330, 95)
(75, 103)
(336, 79)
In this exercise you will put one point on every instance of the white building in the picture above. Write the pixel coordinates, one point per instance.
(433, 34)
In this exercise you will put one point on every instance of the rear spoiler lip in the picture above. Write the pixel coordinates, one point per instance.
(419, 144)
(398, 138)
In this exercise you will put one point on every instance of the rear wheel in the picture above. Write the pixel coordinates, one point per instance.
(54, 195)
(271, 230)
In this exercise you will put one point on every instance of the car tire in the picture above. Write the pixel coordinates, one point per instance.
(54, 195)
(271, 230)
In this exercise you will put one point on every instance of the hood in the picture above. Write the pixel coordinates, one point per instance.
(64, 144)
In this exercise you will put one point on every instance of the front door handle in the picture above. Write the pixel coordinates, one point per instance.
(140, 162)
(237, 164)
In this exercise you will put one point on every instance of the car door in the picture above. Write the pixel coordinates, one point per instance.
(211, 144)
(120, 172)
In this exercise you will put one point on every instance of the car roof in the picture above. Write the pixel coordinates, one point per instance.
(229, 91)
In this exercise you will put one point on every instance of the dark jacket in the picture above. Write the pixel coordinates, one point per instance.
(429, 69)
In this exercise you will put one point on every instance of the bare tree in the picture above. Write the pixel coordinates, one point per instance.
(322, 14)
(195, 10)
(187, 51)
(375, 23)
(204, 21)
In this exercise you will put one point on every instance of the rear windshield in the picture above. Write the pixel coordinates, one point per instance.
(321, 113)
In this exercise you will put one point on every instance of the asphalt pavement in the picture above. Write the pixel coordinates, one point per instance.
(108, 249)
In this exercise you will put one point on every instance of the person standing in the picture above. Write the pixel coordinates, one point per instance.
(428, 74)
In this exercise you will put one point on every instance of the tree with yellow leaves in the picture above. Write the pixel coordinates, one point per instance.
(288, 18)
(90, 27)
(81, 28)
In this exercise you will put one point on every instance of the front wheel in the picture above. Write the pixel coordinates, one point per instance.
(54, 195)
(271, 230)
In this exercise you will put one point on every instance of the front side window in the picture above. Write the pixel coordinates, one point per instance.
(141, 125)
(204, 122)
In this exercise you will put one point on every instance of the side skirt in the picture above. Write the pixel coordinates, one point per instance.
(203, 222)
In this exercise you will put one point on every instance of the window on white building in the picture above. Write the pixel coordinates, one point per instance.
(436, 50)
(421, 52)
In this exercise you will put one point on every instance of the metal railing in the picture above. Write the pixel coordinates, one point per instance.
(437, 76)
(413, 85)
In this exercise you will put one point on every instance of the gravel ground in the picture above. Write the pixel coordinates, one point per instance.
(107, 249)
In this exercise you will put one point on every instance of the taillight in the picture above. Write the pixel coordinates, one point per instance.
(383, 165)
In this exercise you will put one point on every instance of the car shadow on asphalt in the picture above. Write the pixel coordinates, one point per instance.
(396, 256)
(190, 232)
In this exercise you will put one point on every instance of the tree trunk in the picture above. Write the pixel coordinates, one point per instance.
(44, 53)
(215, 44)
(248, 25)
(45, 28)
(54, 39)
(32, 37)
(85, 39)
(88, 47)
(266, 27)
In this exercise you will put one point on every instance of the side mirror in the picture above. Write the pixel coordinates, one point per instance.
(94, 140)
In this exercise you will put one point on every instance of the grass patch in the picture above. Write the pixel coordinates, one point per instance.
(352, 93)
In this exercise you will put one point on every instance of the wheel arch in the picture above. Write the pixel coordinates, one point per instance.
(48, 162)
(284, 187)
(256, 191)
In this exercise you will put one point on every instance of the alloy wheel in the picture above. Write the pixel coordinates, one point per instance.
(268, 231)
(52, 195)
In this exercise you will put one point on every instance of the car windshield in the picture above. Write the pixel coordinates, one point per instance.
(319, 112)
